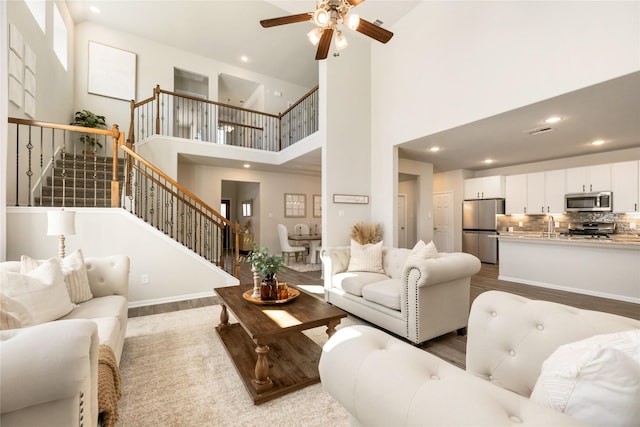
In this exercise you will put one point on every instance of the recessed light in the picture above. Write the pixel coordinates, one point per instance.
(488, 161)
(553, 119)
(247, 165)
(598, 142)
(434, 149)
(244, 58)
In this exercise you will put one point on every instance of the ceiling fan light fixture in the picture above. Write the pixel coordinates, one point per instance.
(315, 35)
(353, 20)
(321, 17)
(341, 41)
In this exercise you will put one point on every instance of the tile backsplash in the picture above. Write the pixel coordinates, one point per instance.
(538, 223)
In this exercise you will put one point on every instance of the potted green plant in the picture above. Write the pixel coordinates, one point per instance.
(266, 265)
(87, 119)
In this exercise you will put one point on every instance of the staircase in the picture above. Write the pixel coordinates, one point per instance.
(78, 181)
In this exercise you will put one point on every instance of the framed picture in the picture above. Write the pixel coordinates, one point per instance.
(317, 206)
(350, 198)
(295, 205)
(112, 72)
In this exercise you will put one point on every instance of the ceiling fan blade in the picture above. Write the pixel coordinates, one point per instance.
(354, 2)
(291, 19)
(323, 45)
(374, 31)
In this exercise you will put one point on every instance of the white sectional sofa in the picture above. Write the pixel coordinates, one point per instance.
(417, 299)
(382, 381)
(49, 372)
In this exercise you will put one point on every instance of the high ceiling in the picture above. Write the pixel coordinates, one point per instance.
(226, 30)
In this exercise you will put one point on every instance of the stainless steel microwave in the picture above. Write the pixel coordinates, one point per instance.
(597, 201)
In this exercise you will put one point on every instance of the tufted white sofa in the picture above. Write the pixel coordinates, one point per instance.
(49, 372)
(417, 300)
(383, 381)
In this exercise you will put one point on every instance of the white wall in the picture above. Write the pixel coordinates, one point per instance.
(345, 117)
(4, 99)
(155, 64)
(175, 273)
(452, 63)
(54, 84)
(206, 183)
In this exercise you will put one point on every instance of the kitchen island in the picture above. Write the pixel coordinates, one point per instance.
(608, 268)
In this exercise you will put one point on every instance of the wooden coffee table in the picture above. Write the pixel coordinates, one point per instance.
(271, 354)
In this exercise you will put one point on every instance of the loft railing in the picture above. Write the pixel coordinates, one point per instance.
(52, 168)
(171, 114)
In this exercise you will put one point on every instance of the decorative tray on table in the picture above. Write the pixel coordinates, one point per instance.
(293, 294)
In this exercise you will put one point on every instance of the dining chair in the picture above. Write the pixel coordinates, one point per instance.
(286, 248)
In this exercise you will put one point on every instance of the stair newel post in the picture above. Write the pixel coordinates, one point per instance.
(156, 93)
(115, 185)
(236, 266)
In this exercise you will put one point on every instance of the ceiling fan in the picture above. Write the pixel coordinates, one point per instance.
(328, 14)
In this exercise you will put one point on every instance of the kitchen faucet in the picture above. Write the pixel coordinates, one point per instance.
(552, 226)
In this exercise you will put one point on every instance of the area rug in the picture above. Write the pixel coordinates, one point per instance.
(304, 268)
(175, 372)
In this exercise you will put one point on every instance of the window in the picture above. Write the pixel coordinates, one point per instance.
(38, 10)
(59, 36)
(247, 208)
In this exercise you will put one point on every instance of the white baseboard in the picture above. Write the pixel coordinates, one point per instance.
(175, 298)
(569, 289)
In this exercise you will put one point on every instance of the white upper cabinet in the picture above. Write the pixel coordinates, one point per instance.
(488, 187)
(535, 193)
(516, 194)
(625, 185)
(554, 191)
(590, 178)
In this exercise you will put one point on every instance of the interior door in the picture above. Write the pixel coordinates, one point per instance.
(443, 221)
(402, 220)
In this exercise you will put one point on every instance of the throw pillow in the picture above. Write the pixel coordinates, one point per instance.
(75, 275)
(596, 380)
(366, 257)
(424, 251)
(41, 294)
(10, 310)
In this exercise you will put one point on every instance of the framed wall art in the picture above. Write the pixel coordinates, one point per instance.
(112, 72)
(295, 205)
(350, 198)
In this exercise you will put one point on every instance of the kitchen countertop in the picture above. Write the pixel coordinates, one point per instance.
(616, 240)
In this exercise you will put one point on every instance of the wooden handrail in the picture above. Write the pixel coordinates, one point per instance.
(299, 101)
(172, 191)
(207, 101)
(113, 132)
(179, 187)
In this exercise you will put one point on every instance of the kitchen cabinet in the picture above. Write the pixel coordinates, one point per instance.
(487, 187)
(535, 193)
(625, 186)
(516, 194)
(589, 178)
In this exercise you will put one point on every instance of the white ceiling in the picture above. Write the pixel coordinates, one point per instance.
(226, 30)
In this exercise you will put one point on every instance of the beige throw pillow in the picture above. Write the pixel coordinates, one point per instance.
(10, 310)
(422, 251)
(366, 257)
(75, 275)
(38, 296)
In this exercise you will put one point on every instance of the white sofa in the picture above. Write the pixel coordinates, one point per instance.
(416, 300)
(49, 372)
(383, 381)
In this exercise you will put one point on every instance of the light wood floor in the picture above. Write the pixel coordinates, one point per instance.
(450, 347)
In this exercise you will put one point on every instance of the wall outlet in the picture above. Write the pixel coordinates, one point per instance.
(632, 225)
(520, 224)
(144, 279)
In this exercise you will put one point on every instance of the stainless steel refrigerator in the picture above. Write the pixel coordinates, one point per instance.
(480, 228)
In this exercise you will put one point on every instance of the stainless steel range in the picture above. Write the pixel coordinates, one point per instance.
(591, 230)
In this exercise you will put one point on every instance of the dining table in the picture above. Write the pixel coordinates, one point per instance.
(315, 241)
